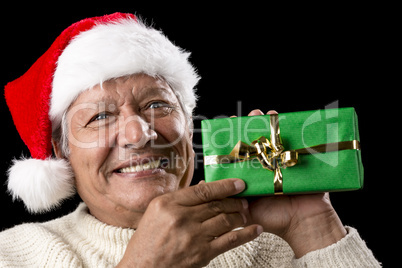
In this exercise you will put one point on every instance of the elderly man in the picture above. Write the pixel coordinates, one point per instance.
(106, 112)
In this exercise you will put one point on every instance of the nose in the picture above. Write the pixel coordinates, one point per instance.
(135, 132)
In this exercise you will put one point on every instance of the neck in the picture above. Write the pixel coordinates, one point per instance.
(120, 218)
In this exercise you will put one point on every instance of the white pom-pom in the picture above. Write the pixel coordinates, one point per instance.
(41, 184)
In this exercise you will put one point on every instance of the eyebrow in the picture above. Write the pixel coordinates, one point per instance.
(102, 95)
(150, 88)
(154, 91)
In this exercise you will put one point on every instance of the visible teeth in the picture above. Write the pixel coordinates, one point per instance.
(146, 166)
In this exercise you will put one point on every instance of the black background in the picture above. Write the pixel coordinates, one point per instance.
(287, 58)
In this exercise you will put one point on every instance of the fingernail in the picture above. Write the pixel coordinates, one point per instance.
(239, 185)
(259, 229)
(244, 203)
(244, 218)
(255, 112)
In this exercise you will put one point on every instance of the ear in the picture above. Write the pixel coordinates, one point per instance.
(57, 149)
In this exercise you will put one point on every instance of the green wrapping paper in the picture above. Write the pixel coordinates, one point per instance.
(339, 170)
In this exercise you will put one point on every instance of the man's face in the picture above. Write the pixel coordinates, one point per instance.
(129, 142)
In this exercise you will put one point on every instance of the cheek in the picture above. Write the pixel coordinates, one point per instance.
(174, 130)
(87, 164)
(176, 135)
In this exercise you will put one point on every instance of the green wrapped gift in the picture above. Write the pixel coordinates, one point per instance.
(289, 153)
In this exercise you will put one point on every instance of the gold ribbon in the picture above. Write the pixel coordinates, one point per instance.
(271, 154)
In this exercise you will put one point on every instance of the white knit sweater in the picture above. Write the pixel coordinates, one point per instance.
(80, 240)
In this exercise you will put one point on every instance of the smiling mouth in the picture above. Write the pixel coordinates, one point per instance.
(155, 164)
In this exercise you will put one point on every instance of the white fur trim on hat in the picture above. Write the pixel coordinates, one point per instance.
(50, 181)
(118, 49)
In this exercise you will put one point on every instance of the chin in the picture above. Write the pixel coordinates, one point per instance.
(137, 196)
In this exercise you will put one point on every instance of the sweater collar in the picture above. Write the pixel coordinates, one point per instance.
(100, 235)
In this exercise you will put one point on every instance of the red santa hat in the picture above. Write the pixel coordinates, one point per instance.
(85, 54)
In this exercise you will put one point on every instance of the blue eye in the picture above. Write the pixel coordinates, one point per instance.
(157, 104)
(100, 116)
(158, 108)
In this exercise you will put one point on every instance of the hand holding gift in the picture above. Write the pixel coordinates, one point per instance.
(307, 222)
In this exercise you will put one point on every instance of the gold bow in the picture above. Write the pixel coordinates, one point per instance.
(271, 154)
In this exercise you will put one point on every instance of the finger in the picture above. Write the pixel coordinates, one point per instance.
(234, 239)
(206, 192)
(223, 223)
(255, 112)
(272, 112)
(211, 209)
